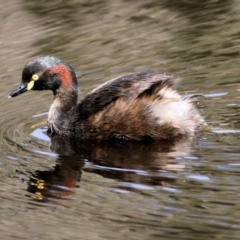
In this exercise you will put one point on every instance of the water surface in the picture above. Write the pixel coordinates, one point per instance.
(63, 190)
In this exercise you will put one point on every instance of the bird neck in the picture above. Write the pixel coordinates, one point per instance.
(59, 116)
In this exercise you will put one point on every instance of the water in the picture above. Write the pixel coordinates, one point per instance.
(62, 190)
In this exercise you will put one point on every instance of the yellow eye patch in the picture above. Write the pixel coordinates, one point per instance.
(30, 85)
(35, 77)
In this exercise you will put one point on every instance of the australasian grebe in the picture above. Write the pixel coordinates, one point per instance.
(139, 106)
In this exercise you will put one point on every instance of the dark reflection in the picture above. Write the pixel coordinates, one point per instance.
(128, 162)
(57, 183)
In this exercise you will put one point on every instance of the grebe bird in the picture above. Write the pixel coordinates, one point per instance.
(139, 106)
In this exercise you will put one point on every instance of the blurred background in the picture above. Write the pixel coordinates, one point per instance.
(60, 190)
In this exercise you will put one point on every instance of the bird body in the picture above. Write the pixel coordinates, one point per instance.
(138, 106)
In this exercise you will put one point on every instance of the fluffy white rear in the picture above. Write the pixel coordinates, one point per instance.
(172, 109)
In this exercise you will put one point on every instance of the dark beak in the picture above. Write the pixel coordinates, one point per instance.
(21, 89)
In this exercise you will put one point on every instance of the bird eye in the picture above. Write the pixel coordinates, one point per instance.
(35, 77)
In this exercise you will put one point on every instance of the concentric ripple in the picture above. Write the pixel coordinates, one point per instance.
(25, 136)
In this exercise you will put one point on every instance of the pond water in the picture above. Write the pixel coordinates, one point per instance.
(56, 189)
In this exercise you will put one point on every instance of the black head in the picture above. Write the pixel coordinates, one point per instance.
(46, 73)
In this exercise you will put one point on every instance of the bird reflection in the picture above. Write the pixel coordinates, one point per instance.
(57, 183)
(126, 162)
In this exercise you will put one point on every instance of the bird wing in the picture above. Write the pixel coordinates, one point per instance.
(127, 87)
